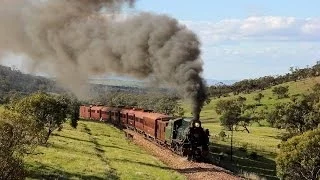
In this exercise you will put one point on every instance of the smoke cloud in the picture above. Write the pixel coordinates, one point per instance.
(75, 39)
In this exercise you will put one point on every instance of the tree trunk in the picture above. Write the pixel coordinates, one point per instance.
(245, 127)
(48, 135)
(231, 150)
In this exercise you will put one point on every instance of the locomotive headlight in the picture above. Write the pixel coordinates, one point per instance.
(197, 124)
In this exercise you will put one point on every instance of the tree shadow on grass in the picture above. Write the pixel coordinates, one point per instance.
(244, 163)
(41, 171)
(90, 141)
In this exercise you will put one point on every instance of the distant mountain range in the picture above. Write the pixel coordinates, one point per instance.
(211, 82)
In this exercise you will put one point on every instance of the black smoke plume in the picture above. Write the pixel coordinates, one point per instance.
(74, 39)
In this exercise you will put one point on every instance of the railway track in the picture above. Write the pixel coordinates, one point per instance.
(192, 170)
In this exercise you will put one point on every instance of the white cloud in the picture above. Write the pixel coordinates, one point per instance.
(257, 45)
(257, 28)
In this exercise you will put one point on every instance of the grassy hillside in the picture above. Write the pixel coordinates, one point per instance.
(211, 119)
(94, 151)
(261, 139)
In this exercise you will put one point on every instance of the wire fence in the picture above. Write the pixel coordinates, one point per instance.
(244, 145)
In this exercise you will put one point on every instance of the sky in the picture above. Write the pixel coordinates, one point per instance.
(248, 38)
(245, 38)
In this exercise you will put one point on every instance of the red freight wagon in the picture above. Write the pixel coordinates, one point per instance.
(161, 129)
(115, 115)
(138, 120)
(131, 117)
(82, 112)
(106, 113)
(151, 121)
(124, 113)
(85, 112)
(96, 112)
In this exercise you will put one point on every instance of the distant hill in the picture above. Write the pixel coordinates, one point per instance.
(113, 81)
(124, 81)
(212, 82)
(13, 82)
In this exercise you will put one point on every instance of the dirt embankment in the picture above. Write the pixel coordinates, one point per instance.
(192, 170)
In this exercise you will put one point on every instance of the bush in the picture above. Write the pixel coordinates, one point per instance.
(11, 168)
(300, 157)
(18, 136)
(281, 91)
(253, 155)
(222, 135)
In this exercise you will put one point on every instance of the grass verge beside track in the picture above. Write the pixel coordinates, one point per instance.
(94, 151)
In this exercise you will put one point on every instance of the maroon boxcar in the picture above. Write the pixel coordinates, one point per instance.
(131, 117)
(106, 113)
(154, 126)
(85, 112)
(115, 115)
(96, 112)
(161, 129)
(124, 116)
(138, 120)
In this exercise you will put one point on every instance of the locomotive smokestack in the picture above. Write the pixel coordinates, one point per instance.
(73, 39)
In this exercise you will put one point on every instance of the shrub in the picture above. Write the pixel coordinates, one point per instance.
(18, 136)
(281, 91)
(253, 155)
(222, 135)
(300, 157)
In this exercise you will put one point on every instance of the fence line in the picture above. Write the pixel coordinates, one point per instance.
(248, 146)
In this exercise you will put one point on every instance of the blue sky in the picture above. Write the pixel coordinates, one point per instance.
(246, 38)
(218, 10)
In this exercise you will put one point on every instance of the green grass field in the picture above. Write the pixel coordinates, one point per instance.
(261, 139)
(98, 151)
(94, 151)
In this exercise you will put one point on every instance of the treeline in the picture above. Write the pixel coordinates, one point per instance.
(249, 85)
(14, 83)
(99, 90)
(157, 101)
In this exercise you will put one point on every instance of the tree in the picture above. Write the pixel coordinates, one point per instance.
(299, 157)
(316, 88)
(48, 111)
(18, 136)
(258, 97)
(233, 113)
(242, 99)
(296, 117)
(73, 105)
(281, 91)
(208, 100)
(230, 112)
(231, 116)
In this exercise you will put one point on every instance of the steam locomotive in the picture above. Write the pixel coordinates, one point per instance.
(184, 136)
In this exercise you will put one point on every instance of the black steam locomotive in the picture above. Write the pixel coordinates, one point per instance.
(188, 138)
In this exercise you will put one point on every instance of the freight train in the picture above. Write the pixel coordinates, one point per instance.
(184, 136)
